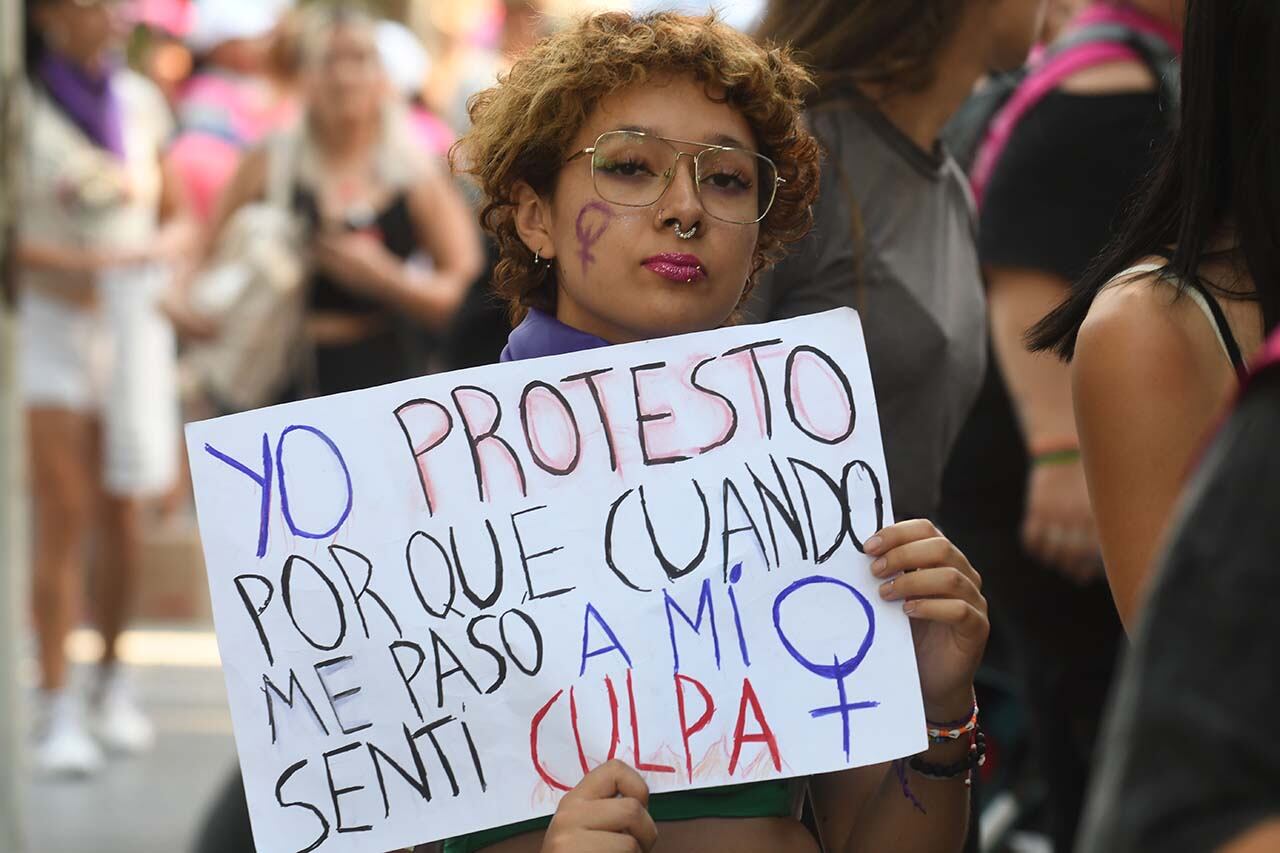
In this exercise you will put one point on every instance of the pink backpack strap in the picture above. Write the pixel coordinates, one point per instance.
(1033, 90)
(1050, 69)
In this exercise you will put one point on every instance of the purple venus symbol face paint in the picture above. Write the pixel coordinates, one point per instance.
(593, 221)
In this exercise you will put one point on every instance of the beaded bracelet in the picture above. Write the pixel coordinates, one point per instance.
(974, 759)
(954, 730)
(940, 733)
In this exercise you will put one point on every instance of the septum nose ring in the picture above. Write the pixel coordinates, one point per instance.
(685, 235)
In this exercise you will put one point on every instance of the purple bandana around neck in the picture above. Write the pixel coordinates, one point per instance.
(88, 99)
(541, 334)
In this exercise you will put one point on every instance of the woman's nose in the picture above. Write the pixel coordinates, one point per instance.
(680, 201)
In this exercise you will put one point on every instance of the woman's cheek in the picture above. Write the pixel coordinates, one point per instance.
(737, 254)
(604, 237)
(590, 227)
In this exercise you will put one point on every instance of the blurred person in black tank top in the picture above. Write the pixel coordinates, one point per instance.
(1015, 491)
(376, 205)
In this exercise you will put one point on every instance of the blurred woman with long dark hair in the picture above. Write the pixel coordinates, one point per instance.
(1187, 763)
(1158, 330)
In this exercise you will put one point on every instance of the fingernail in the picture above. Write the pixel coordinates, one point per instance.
(878, 567)
(886, 589)
(909, 608)
(873, 544)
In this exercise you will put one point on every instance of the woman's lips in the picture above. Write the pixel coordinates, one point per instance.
(676, 267)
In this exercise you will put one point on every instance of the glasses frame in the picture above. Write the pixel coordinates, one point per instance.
(671, 175)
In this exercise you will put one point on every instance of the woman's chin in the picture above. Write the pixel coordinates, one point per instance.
(653, 308)
(672, 318)
(694, 308)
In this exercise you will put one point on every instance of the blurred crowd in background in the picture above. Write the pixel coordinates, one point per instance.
(149, 181)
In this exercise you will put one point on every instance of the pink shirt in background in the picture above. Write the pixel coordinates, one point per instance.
(221, 115)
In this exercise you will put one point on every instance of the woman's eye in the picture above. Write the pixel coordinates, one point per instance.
(727, 181)
(623, 168)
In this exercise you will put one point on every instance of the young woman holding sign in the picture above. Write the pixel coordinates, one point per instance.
(639, 172)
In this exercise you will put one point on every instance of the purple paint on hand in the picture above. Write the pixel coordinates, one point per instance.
(590, 229)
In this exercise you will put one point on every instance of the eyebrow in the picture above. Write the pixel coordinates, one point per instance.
(721, 139)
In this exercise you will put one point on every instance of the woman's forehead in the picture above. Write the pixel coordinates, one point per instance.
(673, 107)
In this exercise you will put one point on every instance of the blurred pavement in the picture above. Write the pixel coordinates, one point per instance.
(154, 802)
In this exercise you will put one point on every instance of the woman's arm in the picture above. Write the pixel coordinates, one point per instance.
(1149, 381)
(69, 260)
(445, 231)
(867, 809)
(1187, 747)
(174, 241)
(1058, 525)
(179, 233)
(78, 267)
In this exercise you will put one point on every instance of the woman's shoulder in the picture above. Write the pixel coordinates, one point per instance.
(1137, 304)
(1118, 77)
(1139, 331)
(851, 133)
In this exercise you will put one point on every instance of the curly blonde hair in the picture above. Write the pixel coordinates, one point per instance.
(522, 127)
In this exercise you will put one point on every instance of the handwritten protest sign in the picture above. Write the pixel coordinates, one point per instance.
(440, 602)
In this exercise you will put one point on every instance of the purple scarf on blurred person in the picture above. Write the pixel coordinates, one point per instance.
(88, 99)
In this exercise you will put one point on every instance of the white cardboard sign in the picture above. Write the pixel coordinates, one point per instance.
(439, 602)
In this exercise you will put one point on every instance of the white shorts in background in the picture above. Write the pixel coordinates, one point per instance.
(63, 353)
(116, 361)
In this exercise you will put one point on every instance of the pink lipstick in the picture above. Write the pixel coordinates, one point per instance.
(676, 267)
